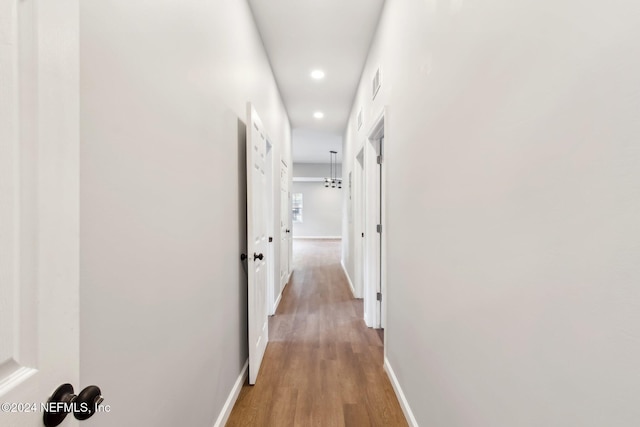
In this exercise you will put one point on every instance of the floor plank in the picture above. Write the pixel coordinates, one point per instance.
(323, 366)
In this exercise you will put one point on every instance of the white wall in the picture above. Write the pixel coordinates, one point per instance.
(512, 166)
(322, 207)
(164, 87)
(321, 210)
(315, 170)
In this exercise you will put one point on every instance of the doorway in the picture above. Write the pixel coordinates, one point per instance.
(373, 251)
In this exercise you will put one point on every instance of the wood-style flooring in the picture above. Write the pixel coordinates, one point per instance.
(322, 366)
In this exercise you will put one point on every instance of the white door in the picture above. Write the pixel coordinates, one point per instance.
(39, 206)
(272, 269)
(285, 231)
(359, 223)
(256, 241)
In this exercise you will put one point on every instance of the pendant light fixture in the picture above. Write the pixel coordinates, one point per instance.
(333, 181)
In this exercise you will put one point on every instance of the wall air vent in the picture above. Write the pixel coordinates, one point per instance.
(360, 118)
(376, 83)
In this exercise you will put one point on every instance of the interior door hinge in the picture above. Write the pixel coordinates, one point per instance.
(379, 296)
(379, 228)
(379, 160)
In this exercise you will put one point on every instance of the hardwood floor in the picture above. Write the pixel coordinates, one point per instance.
(323, 366)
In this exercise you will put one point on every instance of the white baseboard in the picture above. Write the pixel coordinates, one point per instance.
(346, 273)
(277, 303)
(319, 237)
(233, 396)
(408, 414)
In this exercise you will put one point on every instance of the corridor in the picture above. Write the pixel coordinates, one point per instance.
(323, 366)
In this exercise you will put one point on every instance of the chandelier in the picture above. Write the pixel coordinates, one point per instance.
(333, 181)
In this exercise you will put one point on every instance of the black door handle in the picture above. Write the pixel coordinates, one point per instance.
(87, 402)
(243, 257)
(63, 401)
(63, 396)
(257, 256)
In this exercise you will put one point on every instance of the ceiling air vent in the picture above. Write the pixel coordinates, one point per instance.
(376, 83)
(360, 118)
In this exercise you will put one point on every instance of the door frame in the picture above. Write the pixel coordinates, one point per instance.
(375, 245)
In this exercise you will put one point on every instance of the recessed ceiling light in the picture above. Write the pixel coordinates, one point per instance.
(317, 74)
(318, 114)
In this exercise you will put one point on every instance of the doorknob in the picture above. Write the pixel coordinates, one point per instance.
(63, 401)
(255, 256)
(58, 405)
(87, 402)
(243, 257)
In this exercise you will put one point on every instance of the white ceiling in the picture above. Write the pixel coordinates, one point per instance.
(303, 35)
(312, 146)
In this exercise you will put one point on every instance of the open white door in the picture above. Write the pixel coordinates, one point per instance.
(272, 279)
(39, 206)
(256, 241)
(359, 223)
(285, 231)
